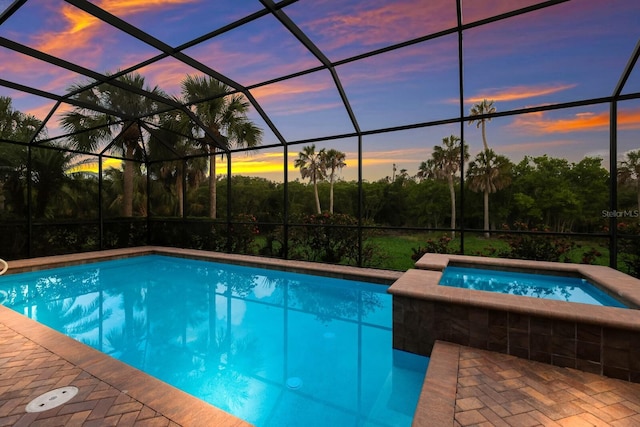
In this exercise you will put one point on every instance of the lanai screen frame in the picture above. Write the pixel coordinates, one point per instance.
(278, 10)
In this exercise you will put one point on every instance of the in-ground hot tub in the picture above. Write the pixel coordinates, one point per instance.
(548, 285)
(602, 340)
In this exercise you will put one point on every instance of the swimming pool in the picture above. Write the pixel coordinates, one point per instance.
(271, 347)
(562, 288)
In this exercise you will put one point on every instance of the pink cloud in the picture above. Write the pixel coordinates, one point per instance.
(540, 124)
(515, 93)
(167, 74)
(402, 64)
(77, 31)
(375, 22)
(29, 71)
(299, 95)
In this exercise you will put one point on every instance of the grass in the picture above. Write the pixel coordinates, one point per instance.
(396, 249)
(399, 248)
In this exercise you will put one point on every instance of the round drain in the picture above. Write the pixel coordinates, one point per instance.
(294, 383)
(52, 399)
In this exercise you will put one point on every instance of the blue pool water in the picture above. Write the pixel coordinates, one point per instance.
(561, 288)
(273, 348)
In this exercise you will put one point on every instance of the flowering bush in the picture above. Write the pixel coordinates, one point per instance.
(438, 246)
(538, 247)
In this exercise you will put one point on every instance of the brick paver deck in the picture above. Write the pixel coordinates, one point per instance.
(470, 387)
(28, 370)
(463, 387)
(35, 359)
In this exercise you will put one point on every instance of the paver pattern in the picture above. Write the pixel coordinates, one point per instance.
(490, 389)
(27, 370)
(495, 389)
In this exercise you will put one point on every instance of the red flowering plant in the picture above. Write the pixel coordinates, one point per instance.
(536, 244)
(438, 245)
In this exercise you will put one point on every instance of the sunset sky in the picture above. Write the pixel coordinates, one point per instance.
(567, 52)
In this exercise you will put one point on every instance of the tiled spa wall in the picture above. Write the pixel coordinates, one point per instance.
(602, 350)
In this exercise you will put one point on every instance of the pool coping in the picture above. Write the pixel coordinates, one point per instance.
(379, 276)
(437, 401)
(422, 283)
(152, 392)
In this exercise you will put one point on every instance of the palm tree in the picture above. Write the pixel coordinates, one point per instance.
(167, 142)
(312, 166)
(48, 174)
(333, 160)
(91, 129)
(224, 115)
(14, 126)
(488, 173)
(481, 108)
(629, 170)
(444, 164)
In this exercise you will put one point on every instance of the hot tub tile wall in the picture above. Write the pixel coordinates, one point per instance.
(611, 352)
(600, 340)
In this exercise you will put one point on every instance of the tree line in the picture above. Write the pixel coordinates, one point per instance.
(541, 191)
(139, 128)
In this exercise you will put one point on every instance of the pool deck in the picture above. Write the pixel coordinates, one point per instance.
(463, 386)
(35, 359)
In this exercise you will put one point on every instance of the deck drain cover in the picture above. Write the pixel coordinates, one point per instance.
(52, 399)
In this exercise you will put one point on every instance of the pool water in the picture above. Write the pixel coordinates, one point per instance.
(561, 288)
(271, 347)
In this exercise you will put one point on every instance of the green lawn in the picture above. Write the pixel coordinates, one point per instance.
(395, 250)
(398, 248)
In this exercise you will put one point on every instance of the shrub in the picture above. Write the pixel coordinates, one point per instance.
(629, 247)
(243, 231)
(537, 247)
(331, 238)
(438, 246)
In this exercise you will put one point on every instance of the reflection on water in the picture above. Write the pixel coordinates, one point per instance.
(562, 288)
(233, 336)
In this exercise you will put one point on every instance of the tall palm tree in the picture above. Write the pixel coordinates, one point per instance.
(333, 161)
(629, 171)
(311, 166)
(90, 129)
(224, 114)
(444, 164)
(488, 172)
(112, 187)
(167, 142)
(481, 108)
